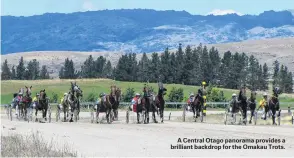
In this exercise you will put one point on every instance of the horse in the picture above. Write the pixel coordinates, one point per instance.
(274, 105)
(159, 103)
(42, 104)
(242, 100)
(147, 105)
(115, 105)
(25, 102)
(73, 101)
(252, 104)
(196, 106)
(107, 103)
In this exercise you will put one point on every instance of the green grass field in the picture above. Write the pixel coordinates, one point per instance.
(97, 86)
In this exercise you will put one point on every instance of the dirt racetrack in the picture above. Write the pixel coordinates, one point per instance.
(121, 139)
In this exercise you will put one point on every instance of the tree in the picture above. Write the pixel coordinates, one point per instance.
(107, 70)
(154, 68)
(289, 83)
(276, 66)
(188, 66)
(68, 71)
(265, 76)
(88, 69)
(179, 65)
(165, 65)
(5, 74)
(20, 70)
(44, 73)
(13, 73)
(215, 64)
(33, 70)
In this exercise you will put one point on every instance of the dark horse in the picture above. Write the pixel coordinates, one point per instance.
(274, 105)
(252, 105)
(159, 102)
(107, 104)
(73, 100)
(197, 105)
(25, 102)
(42, 105)
(115, 104)
(242, 99)
(146, 104)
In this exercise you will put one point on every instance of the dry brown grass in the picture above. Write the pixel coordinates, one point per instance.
(32, 145)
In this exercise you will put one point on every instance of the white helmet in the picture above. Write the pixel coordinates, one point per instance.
(64, 94)
(264, 94)
(192, 94)
(137, 94)
(234, 95)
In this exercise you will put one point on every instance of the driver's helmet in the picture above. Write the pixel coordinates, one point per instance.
(20, 94)
(192, 94)
(138, 94)
(102, 94)
(37, 94)
(234, 95)
(64, 94)
(264, 94)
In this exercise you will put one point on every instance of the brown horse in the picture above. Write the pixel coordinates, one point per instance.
(107, 103)
(42, 105)
(25, 102)
(196, 106)
(115, 105)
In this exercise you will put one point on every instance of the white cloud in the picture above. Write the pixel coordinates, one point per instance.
(88, 6)
(224, 12)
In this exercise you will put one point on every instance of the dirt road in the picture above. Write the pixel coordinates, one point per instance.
(120, 139)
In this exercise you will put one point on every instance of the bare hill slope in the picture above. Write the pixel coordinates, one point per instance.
(267, 50)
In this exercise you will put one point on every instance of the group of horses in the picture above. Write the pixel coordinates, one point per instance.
(24, 102)
(242, 104)
(151, 103)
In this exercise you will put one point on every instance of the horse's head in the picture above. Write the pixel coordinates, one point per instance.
(42, 94)
(28, 91)
(253, 95)
(77, 90)
(118, 94)
(112, 90)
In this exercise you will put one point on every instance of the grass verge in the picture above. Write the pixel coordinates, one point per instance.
(32, 145)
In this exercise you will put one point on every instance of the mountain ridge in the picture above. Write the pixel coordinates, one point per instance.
(136, 30)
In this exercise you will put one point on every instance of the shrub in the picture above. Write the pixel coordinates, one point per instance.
(91, 97)
(128, 95)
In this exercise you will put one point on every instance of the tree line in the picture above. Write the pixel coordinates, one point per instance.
(184, 66)
(31, 71)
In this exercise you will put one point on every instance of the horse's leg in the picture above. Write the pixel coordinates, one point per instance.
(97, 113)
(64, 112)
(45, 112)
(36, 114)
(138, 117)
(274, 115)
(153, 114)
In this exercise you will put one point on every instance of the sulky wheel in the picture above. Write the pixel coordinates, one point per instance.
(184, 113)
(49, 113)
(127, 116)
(225, 117)
(255, 117)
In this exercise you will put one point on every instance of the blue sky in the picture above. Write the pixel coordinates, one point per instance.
(203, 7)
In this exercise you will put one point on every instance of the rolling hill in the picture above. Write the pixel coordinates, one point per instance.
(266, 51)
